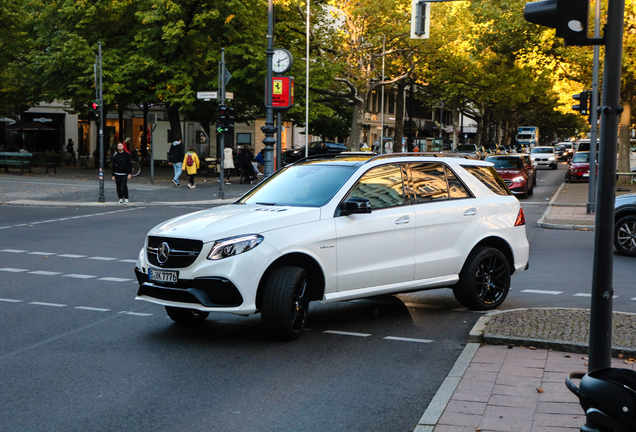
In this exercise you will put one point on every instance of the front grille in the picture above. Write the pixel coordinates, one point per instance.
(508, 182)
(183, 252)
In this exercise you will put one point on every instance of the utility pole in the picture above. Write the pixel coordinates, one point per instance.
(222, 137)
(594, 114)
(101, 127)
(269, 129)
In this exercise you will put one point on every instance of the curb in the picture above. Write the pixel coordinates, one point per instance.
(114, 203)
(542, 224)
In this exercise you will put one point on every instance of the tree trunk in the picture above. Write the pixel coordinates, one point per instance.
(399, 114)
(175, 123)
(455, 124)
(623, 146)
(356, 124)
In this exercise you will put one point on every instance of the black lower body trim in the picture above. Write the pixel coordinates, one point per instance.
(209, 292)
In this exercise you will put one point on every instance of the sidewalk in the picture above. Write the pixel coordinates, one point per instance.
(568, 207)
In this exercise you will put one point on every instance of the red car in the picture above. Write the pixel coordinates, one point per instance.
(578, 168)
(518, 175)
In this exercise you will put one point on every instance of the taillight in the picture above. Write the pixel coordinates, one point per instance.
(521, 219)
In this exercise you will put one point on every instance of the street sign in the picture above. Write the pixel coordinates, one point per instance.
(207, 95)
(282, 92)
(229, 95)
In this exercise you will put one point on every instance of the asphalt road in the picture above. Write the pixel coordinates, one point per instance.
(78, 353)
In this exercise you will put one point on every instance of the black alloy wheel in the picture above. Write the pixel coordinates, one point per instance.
(186, 316)
(285, 303)
(625, 235)
(484, 281)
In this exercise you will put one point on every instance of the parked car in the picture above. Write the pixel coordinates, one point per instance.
(544, 156)
(578, 168)
(583, 145)
(518, 176)
(292, 156)
(501, 150)
(468, 150)
(625, 224)
(335, 229)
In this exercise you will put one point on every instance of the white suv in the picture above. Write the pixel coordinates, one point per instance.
(340, 228)
(544, 156)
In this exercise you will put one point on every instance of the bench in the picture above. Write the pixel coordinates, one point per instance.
(11, 159)
(631, 174)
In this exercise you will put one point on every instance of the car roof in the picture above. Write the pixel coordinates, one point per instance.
(359, 159)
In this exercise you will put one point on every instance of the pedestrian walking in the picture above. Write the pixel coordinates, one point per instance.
(247, 169)
(71, 150)
(122, 169)
(191, 163)
(228, 163)
(175, 158)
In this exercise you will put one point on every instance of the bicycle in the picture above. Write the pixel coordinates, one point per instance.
(136, 166)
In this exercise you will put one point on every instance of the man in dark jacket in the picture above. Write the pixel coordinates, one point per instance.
(122, 168)
(175, 158)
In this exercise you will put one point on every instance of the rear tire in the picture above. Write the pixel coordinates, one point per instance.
(285, 303)
(186, 316)
(625, 235)
(484, 281)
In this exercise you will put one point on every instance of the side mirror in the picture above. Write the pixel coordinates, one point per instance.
(355, 206)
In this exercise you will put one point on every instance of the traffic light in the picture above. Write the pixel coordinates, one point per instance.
(221, 122)
(583, 105)
(569, 18)
(229, 120)
(94, 107)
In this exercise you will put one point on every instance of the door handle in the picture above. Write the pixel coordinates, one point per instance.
(470, 212)
(403, 220)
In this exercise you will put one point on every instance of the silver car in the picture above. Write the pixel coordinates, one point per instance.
(544, 156)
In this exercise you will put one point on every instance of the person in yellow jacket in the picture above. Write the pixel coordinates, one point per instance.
(191, 165)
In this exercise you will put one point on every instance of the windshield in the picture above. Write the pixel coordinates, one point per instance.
(581, 158)
(466, 148)
(506, 163)
(524, 136)
(306, 185)
(542, 150)
(559, 148)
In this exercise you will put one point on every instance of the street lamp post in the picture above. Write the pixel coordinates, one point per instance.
(269, 129)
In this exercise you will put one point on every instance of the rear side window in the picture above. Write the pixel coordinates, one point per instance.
(382, 186)
(456, 188)
(435, 182)
(489, 177)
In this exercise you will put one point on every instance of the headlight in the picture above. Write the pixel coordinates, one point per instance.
(517, 179)
(228, 247)
(551, 158)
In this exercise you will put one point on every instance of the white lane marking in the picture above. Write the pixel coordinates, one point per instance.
(128, 261)
(587, 295)
(13, 270)
(531, 291)
(5, 227)
(71, 217)
(114, 279)
(422, 306)
(136, 313)
(10, 300)
(72, 256)
(79, 276)
(41, 253)
(133, 261)
(45, 273)
(403, 339)
(91, 308)
(347, 333)
(13, 250)
(102, 258)
(48, 304)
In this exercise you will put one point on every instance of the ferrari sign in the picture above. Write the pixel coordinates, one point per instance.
(282, 92)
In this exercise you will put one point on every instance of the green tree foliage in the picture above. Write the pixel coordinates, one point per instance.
(13, 45)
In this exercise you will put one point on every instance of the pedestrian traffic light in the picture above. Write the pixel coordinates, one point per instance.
(569, 18)
(582, 106)
(229, 120)
(94, 107)
(221, 122)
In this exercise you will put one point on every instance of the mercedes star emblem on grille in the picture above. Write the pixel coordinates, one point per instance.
(163, 253)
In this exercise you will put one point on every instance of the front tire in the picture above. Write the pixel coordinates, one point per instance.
(625, 235)
(285, 303)
(484, 281)
(554, 166)
(186, 316)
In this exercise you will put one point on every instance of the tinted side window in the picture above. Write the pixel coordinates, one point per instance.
(489, 177)
(382, 186)
(456, 188)
(429, 182)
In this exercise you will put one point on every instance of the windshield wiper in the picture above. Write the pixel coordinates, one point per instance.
(266, 204)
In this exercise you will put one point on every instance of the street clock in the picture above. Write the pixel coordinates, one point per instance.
(281, 61)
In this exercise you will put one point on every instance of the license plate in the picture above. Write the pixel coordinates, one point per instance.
(163, 275)
(586, 175)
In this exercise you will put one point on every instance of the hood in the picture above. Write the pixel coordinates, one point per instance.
(234, 219)
(580, 165)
